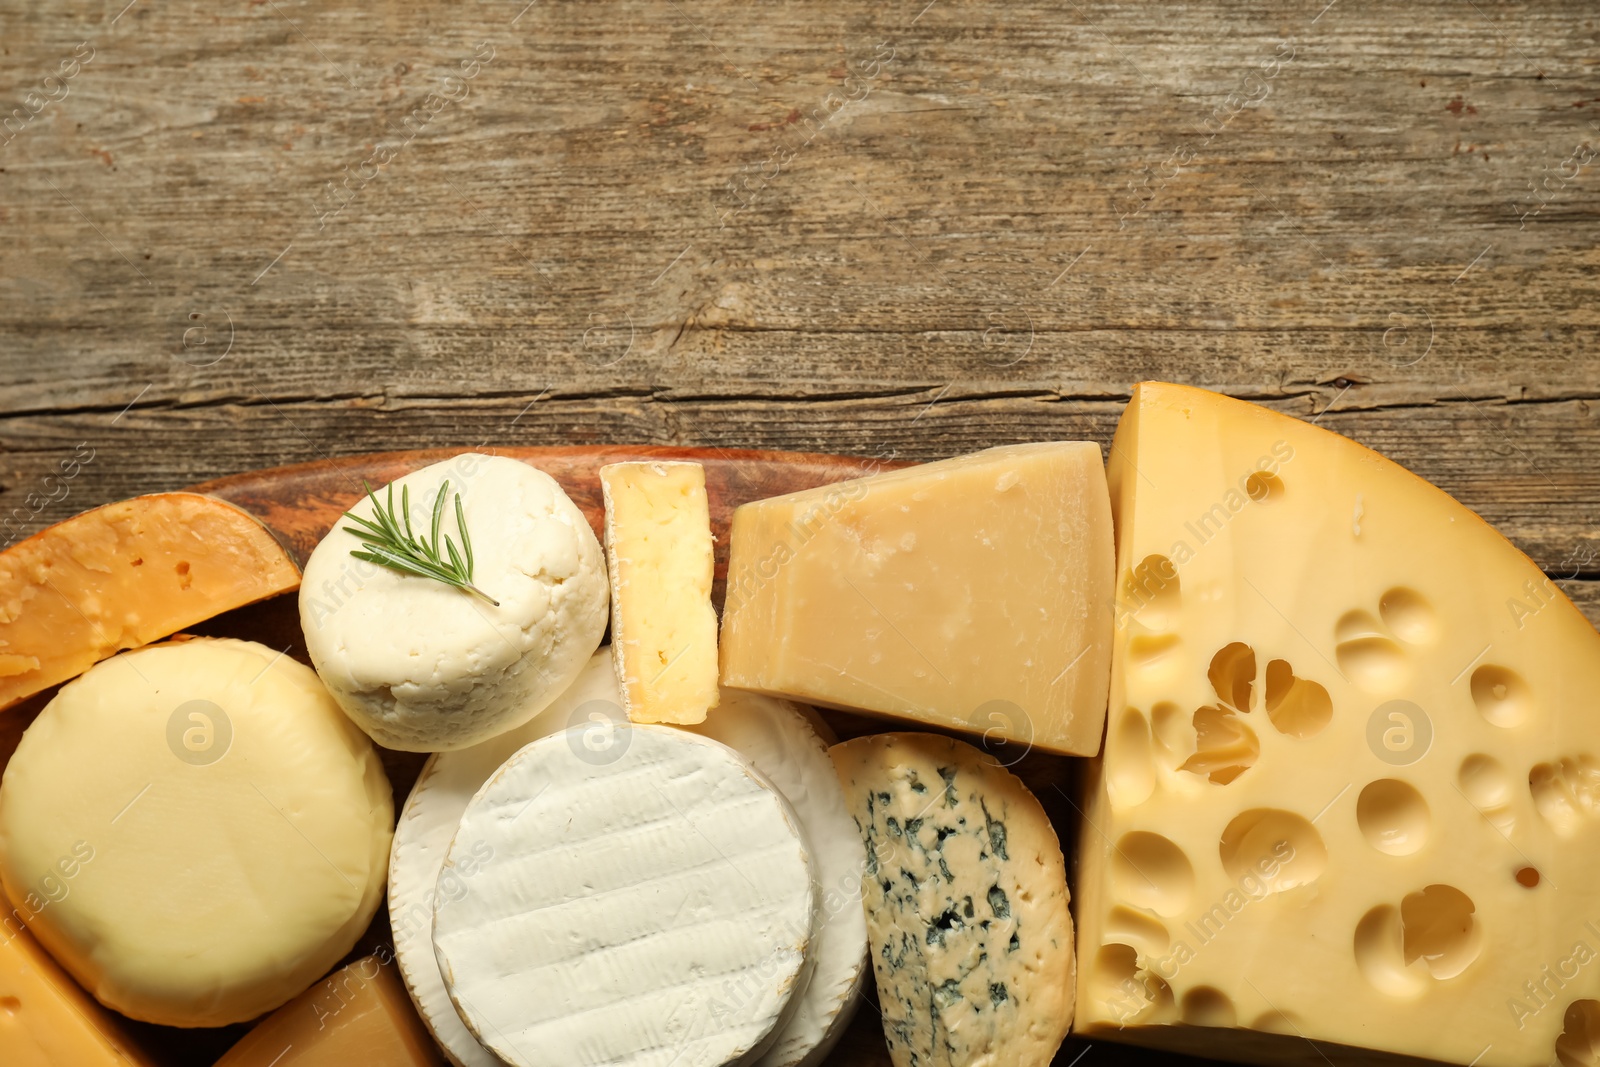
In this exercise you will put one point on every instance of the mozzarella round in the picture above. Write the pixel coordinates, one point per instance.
(423, 666)
(195, 831)
(777, 737)
(642, 897)
(428, 823)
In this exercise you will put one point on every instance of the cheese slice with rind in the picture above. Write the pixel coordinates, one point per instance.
(124, 575)
(648, 903)
(1351, 783)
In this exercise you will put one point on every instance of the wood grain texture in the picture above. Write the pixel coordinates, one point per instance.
(697, 222)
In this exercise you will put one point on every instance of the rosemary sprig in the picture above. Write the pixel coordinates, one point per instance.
(385, 542)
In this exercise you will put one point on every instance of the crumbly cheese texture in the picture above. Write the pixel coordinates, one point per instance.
(777, 738)
(422, 666)
(971, 594)
(45, 1019)
(663, 627)
(427, 824)
(1349, 791)
(124, 575)
(357, 1015)
(236, 828)
(966, 902)
(642, 897)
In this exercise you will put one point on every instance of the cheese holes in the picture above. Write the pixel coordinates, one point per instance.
(1151, 593)
(1206, 1006)
(1579, 1043)
(1381, 957)
(1367, 656)
(1502, 697)
(1297, 707)
(1439, 928)
(1233, 674)
(1566, 792)
(1393, 817)
(1224, 746)
(1127, 992)
(1263, 486)
(1150, 871)
(1130, 766)
(1486, 784)
(1136, 928)
(1409, 616)
(1278, 1022)
(1268, 850)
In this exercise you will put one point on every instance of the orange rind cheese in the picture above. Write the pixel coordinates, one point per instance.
(124, 575)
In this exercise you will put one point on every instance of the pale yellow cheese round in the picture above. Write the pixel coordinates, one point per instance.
(195, 831)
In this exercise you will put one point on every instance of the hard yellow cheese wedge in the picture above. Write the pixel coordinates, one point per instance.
(359, 1016)
(972, 594)
(45, 1019)
(663, 628)
(1350, 789)
(124, 575)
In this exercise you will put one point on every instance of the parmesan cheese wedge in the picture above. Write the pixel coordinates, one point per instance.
(663, 628)
(124, 575)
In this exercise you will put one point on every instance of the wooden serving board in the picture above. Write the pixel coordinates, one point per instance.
(299, 504)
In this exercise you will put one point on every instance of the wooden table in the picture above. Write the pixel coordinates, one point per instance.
(236, 236)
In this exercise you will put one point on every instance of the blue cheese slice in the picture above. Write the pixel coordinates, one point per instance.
(966, 899)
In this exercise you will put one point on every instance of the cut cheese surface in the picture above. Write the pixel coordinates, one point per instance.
(972, 594)
(45, 1019)
(663, 628)
(124, 575)
(966, 902)
(648, 901)
(777, 738)
(356, 1017)
(423, 666)
(195, 831)
(428, 823)
(1350, 789)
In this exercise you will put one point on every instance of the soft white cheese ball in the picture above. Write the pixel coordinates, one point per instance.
(422, 666)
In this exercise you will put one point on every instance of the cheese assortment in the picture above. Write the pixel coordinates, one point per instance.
(651, 901)
(1348, 791)
(195, 831)
(417, 664)
(971, 594)
(356, 1017)
(663, 628)
(124, 575)
(966, 901)
(45, 1019)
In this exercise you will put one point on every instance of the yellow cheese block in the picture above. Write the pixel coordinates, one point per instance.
(1349, 790)
(972, 594)
(663, 628)
(124, 575)
(195, 831)
(45, 1019)
(359, 1016)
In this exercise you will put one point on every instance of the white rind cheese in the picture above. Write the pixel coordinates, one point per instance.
(778, 738)
(647, 902)
(428, 823)
(195, 831)
(422, 666)
(966, 900)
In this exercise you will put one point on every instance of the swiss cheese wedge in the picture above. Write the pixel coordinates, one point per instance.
(124, 575)
(1350, 789)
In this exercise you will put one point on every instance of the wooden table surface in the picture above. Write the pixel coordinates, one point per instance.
(240, 235)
